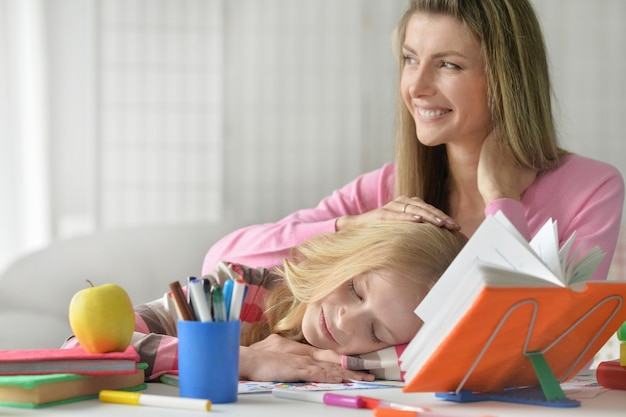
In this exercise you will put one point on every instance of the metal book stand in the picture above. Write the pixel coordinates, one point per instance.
(549, 392)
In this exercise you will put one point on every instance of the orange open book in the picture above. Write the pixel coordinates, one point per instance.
(503, 298)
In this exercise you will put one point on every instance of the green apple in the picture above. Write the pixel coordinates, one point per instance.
(102, 318)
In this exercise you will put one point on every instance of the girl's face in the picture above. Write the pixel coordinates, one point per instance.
(443, 82)
(370, 312)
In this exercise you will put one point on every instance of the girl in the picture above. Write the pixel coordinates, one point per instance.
(341, 294)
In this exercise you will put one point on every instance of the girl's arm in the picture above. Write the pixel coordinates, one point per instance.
(265, 365)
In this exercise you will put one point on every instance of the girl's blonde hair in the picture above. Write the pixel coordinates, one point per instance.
(519, 91)
(419, 252)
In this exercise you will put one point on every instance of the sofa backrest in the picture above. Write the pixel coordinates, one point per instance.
(35, 291)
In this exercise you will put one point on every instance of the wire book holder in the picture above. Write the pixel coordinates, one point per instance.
(549, 392)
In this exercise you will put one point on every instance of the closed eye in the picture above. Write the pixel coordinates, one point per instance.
(375, 338)
(353, 290)
(371, 331)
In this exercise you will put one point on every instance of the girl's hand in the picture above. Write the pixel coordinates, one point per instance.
(266, 365)
(499, 176)
(276, 343)
(412, 209)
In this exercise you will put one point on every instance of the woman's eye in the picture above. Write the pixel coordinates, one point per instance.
(353, 289)
(408, 59)
(446, 64)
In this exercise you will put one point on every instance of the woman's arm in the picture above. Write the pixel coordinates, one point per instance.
(265, 245)
(368, 198)
(584, 196)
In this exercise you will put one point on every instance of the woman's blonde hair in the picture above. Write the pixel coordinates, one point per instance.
(519, 92)
(419, 252)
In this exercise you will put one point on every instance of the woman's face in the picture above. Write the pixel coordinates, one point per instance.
(443, 82)
(370, 312)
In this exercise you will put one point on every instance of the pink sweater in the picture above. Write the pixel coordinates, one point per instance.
(582, 195)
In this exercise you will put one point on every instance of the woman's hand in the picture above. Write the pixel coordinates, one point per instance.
(412, 209)
(499, 176)
(267, 365)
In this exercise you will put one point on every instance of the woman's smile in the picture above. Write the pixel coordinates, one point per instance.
(432, 113)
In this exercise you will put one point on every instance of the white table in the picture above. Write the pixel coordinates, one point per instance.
(596, 402)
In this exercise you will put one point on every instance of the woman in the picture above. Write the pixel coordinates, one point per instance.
(342, 294)
(475, 135)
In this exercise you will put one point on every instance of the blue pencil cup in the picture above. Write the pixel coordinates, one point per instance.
(208, 360)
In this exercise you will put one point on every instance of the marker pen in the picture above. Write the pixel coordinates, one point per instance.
(394, 412)
(199, 301)
(372, 403)
(227, 292)
(328, 398)
(219, 308)
(236, 303)
(136, 398)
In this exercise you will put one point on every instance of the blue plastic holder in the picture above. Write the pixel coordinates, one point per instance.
(529, 396)
(549, 393)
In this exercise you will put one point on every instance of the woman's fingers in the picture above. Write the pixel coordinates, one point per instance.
(402, 208)
(416, 209)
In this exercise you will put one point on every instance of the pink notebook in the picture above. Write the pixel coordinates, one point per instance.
(74, 361)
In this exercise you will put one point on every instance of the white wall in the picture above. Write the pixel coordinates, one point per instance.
(307, 101)
(587, 46)
(72, 74)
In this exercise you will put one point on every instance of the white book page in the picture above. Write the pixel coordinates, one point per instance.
(493, 242)
(434, 331)
(506, 223)
(546, 245)
(495, 276)
(581, 270)
(565, 250)
(578, 270)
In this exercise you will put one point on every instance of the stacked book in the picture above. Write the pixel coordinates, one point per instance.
(44, 377)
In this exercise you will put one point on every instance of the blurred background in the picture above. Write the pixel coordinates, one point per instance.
(121, 113)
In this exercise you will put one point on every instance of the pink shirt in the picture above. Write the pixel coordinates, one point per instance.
(582, 195)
